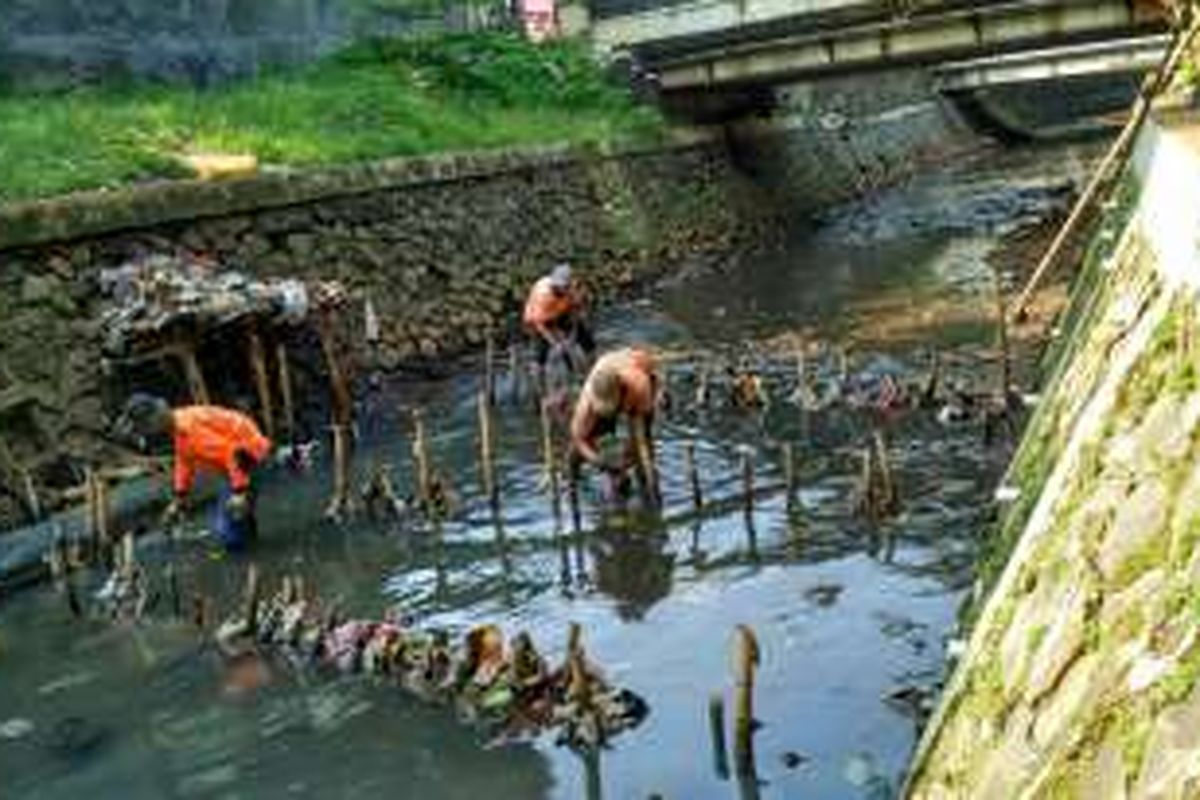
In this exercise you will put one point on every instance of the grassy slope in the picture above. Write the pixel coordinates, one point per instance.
(376, 100)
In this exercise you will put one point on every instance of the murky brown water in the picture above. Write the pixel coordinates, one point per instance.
(845, 612)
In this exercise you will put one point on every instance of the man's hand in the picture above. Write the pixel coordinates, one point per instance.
(238, 506)
(613, 465)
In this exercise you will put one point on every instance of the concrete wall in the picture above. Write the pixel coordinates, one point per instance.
(1081, 675)
(827, 142)
(444, 247)
(199, 41)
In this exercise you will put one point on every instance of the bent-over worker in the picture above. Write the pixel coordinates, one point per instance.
(555, 317)
(622, 383)
(207, 439)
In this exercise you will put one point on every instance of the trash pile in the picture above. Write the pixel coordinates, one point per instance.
(175, 298)
(507, 688)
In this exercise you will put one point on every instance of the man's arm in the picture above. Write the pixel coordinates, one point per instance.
(582, 441)
(183, 474)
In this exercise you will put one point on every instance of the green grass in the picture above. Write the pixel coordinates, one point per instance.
(376, 100)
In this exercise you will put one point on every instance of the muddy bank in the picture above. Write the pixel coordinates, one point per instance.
(443, 248)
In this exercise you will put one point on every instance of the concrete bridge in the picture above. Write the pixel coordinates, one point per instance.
(716, 45)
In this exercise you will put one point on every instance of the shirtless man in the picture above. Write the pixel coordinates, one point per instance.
(622, 383)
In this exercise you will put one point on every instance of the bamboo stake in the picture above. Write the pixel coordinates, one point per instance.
(573, 498)
(252, 598)
(73, 602)
(173, 588)
(689, 461)
(647, 469)
(1002, 336)
(748, 481)
(57, 564)
(103, 514)
(1115, 157)
(339, 502)
(701, 396)
(31, 495)
(867, 503)
(789, 473)
(343, 403)
(550, 459)
(128, 555)
(746, 660)
(285, 390)
(716, 730)
(489, 373)
(487, 471)
(890, 496)
(195, 376)
(200, 611)
(262, 384)
(420, 452)
(90, 515)
(514, 374)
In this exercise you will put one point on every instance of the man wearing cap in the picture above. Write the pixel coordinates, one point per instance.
(554, 316)
(208, 439)
(622, 382)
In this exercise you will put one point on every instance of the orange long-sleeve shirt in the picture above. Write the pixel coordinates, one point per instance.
(207, 438)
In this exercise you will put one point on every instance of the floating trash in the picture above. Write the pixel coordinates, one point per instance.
(15, 728)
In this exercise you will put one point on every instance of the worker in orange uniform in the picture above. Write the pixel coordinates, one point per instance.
(622, 383)
(555, 317)
(208, 439)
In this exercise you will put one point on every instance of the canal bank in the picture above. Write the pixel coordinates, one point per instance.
(443, 248)
(143, 708)
(1080, 677)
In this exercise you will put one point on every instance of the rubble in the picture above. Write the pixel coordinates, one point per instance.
(506, 687)
(162, 299)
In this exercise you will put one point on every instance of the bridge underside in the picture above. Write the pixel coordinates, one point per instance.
(986, 30)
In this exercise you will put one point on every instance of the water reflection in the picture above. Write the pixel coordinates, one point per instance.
(657, 597)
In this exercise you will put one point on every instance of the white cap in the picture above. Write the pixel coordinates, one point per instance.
(560, 276)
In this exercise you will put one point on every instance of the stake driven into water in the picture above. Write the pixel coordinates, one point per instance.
(195, 376)
(487, 470)
(285, 391)
(550, 459)
(647, 468)
(689, 462)
(748, 481)
(746, 660)
(489, 370)
(716, 731)
(252, 598)
(339, 503)
(262, 384)
(421, 465)
(789, 473)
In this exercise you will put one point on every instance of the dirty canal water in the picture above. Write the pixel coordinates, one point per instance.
(851, 617)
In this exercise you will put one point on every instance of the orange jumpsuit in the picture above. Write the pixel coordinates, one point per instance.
(208, 438)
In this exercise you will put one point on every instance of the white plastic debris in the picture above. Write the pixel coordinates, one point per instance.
(15, 728)
(956, 648)
(1007, 493)
(372, 333)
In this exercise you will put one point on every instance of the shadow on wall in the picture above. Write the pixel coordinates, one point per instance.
(51, 43)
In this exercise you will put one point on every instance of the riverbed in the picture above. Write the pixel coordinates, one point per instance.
(848, 613)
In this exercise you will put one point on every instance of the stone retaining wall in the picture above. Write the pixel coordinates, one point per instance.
(1081, 676)
(445, 248)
